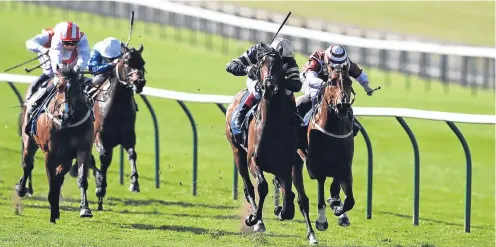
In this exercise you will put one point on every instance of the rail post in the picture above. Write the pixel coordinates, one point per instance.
(195, 146)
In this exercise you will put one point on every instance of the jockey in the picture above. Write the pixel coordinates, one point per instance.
(103, 59)
(40, 44)
(315, 73)
(69, 47)
(246, 64)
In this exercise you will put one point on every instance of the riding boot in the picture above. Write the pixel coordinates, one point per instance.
(356, 127)
(238, 121)
(297, 119)
(36, 85)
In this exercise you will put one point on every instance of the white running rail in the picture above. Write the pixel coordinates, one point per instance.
(359, 111)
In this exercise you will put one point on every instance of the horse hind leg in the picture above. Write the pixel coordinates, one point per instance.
(27, 166)
(335, 202)
(303, 201)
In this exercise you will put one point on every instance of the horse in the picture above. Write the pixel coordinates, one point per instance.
(115, 117)
(329, 145)
(62, 128)
(271, 144)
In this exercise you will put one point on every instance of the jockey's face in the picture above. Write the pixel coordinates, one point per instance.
(69, 45)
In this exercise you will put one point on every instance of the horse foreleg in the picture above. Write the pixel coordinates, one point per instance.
(27, 165)
(101, 176)
(84, 159)
(335, 202)
(349, 201)
(303, 201)
(321, 223)
(132, 156)
(263, 190)
(54, 184)
(241, 164)
(287, 211)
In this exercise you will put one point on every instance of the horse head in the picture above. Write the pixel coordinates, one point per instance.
(69, 92)
(131, 68)
(337, 91)
(270, 72)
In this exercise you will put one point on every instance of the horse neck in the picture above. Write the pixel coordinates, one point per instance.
(275, 113)
(118, 93)
(330, 120)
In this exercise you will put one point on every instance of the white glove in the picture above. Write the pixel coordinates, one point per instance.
(77, 68)
(43, 50)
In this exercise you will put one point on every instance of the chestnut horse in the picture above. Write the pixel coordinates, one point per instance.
(115, 117)
(329, 146)
(63, 129)
(271, 145)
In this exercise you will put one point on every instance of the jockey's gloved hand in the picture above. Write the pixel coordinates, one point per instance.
(251, 71)
(43, 50)
(368, 90)
(77, 68)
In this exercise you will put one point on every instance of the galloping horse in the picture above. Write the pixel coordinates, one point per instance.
(271, 144)
(63, 129)
(115, 117)
(329, 145)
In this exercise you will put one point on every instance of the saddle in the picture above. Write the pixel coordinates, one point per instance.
(31, 128)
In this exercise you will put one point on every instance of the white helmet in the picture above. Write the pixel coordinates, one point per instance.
(287, 48)
(336, 54)
(109, 48)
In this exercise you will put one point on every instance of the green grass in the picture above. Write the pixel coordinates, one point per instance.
(470, 22)
(171, 216)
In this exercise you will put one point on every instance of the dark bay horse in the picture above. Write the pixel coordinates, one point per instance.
(272, 143)
(63, 131)
(330, 145)
(115, 117)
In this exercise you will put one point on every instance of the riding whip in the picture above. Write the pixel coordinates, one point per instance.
(130, 27)
(280, 27)
(19, 65)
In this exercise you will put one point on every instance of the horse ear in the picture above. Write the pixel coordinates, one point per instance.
(281, 49)
(140, 50)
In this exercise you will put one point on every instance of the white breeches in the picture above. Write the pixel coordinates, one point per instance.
(250, 84)
(307, 89)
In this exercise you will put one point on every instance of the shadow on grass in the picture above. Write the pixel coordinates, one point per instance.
(434, 221)
(134, 202)
(198, 230)
(68, 199)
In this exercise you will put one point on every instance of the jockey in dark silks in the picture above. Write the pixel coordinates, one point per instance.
(246, 65)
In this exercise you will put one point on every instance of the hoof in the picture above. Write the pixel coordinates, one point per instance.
(312, 239)
(321, 226)
(134, 187)
(259, 227)
(30, 191)
(338, 211)
(85, 213)
(52, 220)
(100, 207)
(100, 192)
(277, 212)
(250, 220)
(21, 191)
(343, 220)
